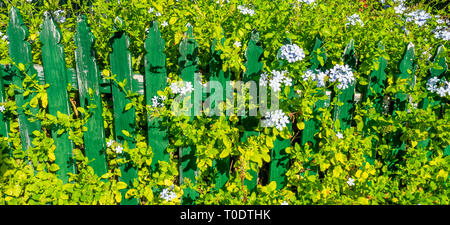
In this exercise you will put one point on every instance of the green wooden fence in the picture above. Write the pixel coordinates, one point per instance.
(87, 80)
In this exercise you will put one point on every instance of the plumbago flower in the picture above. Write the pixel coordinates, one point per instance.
(59, 16)
(342, 74)
(439, 86)
(181, 87)
(276, 118)
(278, 78)
(315, 75)
(291, 53)
(420, 17)
(116, 147)
(263, 80)
(246, 11)
(353, 20)
(168, 194)
(351, 181)
(158, 101)
(442, 32)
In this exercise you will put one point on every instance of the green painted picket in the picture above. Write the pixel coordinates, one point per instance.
(343, 114)
(3, 122)
(89, 90)
(188, 63)
(55, 73)
(155, 79)
(124, 120)
(20, 53)
(218, 75)
(253, 71)
(86, 78)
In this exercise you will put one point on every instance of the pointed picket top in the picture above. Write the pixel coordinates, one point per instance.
(253, 62)
(189, 53)
(155, 80)
(17, 36)
(344, 112)
(88, 79)
(50, 33)
(55, 73)
(319, 56)
(407, 63)
(349, 56)
(154, 45)
(86, 63)
(407, 69)
(439, 61)
(20, 53)
(377, 79)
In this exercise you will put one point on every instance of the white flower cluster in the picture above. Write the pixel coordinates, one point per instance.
(2, 108)
(420, 17)
(222, 1)
(400, 9)
(179, 88)
(309, 2)
(440, 20)
(263, 80)
(354, 19)
(315, 75)
(442, 32)
(3, 36)
(158, 101)
(351, 181)
(291, 53)
(438, 86)
(59, 16)
(168, 194)
(342, 74)
(276, 118)
(115, 146)
(278, 78)
(246, 11)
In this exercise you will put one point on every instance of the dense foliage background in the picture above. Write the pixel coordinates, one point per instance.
(416, 176)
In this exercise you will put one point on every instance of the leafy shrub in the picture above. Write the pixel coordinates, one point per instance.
(358, 165)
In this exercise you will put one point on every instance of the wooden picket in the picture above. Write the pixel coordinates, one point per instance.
(155, 79)
(55, 73)
(253, 72)
(3, 122)
(20, 53)
(124, 120)
(89, 90)
(87, 80)
(343, 113)
(377, 83)
(188, 62)
(217, 74)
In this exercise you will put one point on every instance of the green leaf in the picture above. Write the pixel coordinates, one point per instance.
(269, 142)
(54, 167)
(121, 185)
(126, 133)
(128, 106)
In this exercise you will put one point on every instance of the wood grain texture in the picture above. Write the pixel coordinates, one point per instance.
(58, 100)
(124, 120)
(20, 53)
(88, 80)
